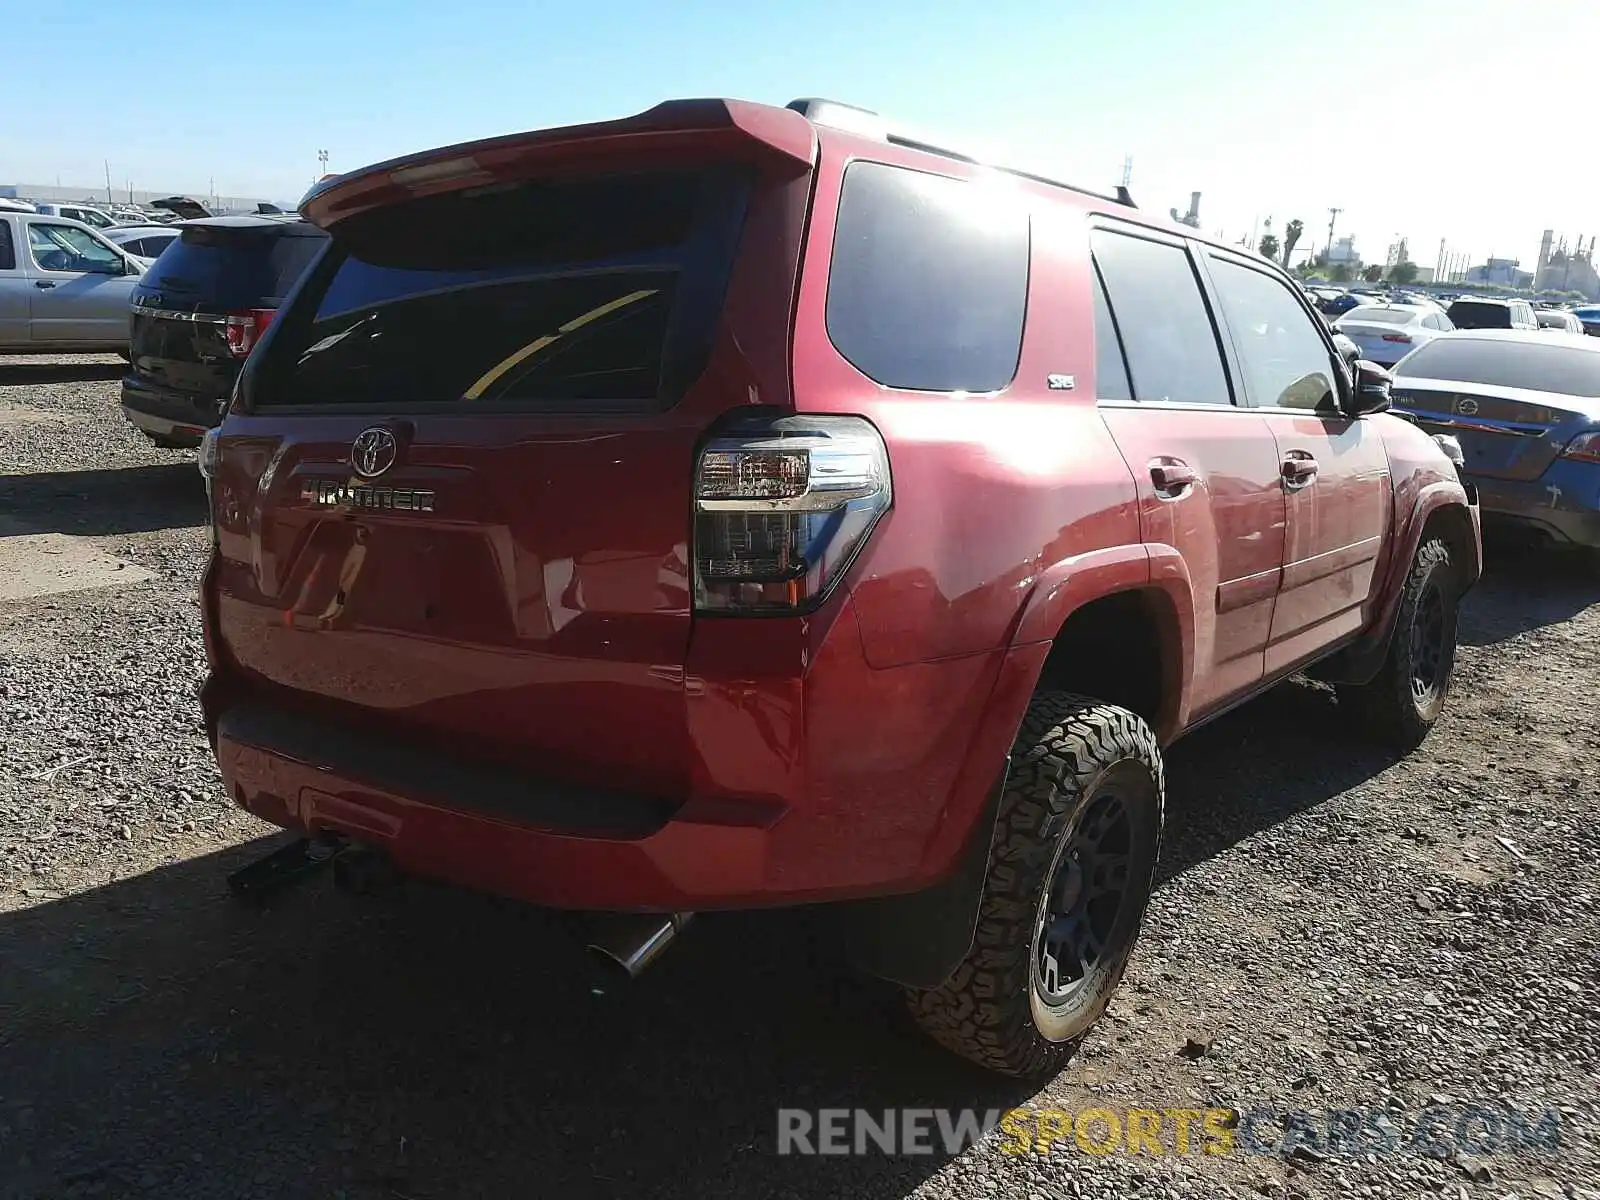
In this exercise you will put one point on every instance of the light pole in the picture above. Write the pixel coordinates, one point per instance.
(322, 162)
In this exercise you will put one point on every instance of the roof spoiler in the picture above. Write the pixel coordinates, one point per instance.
(866, 123)
(668, 129)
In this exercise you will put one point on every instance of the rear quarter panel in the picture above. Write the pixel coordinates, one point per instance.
(993, 490)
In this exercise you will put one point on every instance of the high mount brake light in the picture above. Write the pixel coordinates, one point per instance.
(782, 507)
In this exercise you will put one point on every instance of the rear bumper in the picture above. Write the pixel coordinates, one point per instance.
(1562, 504)
(175, 416)
(840, 783)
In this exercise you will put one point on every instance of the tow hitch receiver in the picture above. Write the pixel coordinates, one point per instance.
(284, 866)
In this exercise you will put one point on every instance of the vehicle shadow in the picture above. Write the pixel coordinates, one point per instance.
(1525, 587)
(162, 1040)
(430, 1043)
(1279, 755)
(107, 500)
(24, 373)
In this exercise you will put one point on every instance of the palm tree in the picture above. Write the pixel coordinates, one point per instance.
(1291, 235)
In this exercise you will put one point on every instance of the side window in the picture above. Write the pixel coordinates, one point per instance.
(1110, 367)
(67, 248)
(1283, 357)
(929, 280)
(1167, 333)
(8, 250)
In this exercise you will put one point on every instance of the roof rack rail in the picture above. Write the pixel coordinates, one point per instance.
(854, 119)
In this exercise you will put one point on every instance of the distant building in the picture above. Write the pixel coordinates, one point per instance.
(1344, 253)
(1504, 272)
(1567, 270)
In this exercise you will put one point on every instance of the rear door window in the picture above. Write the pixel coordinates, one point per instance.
(929, 280)
(578, 293)
(8, 250)
(1110, 366)
(1167, 332)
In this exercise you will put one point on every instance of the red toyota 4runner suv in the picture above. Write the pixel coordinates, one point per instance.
(735, 506)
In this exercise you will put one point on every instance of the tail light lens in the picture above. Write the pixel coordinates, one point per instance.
(1585, 448)
(1397, 337)
(243, 329)
(782, 507)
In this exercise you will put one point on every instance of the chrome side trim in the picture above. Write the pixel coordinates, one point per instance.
(171, 314)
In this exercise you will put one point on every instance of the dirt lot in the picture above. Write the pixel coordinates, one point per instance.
(1334, 929)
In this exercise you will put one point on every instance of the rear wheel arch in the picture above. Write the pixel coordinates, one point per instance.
(1127, 648)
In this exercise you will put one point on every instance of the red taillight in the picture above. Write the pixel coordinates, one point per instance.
(1397, 337)
(243, 329)
(1585, 448)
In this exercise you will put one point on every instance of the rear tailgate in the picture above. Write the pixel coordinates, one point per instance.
(453, 500)
(179, 337)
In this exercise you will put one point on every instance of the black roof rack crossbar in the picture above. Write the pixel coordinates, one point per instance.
(868, 123)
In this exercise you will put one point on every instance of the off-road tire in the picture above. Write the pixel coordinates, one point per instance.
(1069, 750)
(1387, 707)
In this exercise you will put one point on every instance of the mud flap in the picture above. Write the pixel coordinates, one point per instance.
(919, 939)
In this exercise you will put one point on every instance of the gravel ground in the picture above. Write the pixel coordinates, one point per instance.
(1334, 930)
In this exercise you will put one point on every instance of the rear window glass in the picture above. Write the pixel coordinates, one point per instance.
(1476, 314)
(582, 292)
(8, 251)
(234, 266)
(1385, 316)
(1539, 366)
(928, 282)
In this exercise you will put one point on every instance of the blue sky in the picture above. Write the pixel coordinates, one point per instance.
(1269, 109)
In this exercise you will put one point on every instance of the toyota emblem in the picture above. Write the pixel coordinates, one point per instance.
(373, 452)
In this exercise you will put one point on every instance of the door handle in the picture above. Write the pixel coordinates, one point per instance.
(1299, 469)
(1172, 477)
(41, 284)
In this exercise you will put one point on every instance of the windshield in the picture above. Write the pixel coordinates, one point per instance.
(1538, 366)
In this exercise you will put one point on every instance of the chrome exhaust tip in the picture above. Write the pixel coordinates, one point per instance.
(627, 943)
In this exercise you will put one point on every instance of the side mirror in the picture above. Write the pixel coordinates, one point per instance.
(1371, 394)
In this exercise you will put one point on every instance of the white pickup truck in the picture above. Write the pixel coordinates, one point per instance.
(63, 287)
